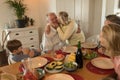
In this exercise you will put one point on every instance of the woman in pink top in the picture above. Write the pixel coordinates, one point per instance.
(110, 41)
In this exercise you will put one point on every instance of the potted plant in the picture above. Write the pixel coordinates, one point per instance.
(19, 10)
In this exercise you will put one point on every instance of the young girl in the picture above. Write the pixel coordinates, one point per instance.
(110, 41)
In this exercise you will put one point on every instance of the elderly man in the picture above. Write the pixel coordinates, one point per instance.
(50, 39)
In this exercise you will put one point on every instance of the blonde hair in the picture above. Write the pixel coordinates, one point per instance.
(64, 16)
(111, 33)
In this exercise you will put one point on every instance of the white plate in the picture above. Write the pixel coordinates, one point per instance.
(60, 76)
(38, 62)
(102, 63)
(7, 76)
(89, 45)
(53, 71)
(69, 49)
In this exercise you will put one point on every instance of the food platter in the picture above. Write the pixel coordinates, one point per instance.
(54, 67)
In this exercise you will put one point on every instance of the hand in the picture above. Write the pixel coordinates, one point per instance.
(55, 25)
(47, 29)
(116, 62)
(31, 53)
(38, 50)
(26, 51)
(79, 30)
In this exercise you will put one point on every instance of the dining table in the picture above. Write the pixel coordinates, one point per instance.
(83, 72)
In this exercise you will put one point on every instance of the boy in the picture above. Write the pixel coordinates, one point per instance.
(17, 53)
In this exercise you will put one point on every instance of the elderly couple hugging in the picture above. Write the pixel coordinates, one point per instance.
(60, 31)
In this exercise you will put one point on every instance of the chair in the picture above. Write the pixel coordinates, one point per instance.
(3, 58)
(10, 61)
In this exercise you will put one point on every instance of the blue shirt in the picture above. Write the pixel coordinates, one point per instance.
(19, 57)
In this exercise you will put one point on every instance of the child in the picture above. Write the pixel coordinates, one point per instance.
(17, 53)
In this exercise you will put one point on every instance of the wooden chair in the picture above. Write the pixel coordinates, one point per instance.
(3, 58)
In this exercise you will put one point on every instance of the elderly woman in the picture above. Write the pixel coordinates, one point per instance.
(111, 44)
(68, 30)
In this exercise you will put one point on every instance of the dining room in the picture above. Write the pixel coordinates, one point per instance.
(59, 39)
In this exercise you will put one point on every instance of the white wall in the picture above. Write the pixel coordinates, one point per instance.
(66, 5)
(97, 17)
(110, 6)
(88, 11)
(6, 14)
(37, 9)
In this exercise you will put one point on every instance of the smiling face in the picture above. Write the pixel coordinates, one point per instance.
(52, 18)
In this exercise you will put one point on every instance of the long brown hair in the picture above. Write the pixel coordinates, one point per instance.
(111, 33)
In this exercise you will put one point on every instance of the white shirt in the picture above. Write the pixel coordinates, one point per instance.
(51, 41)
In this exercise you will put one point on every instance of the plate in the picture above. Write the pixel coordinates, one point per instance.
(69, 49)
(58, 57)
(102, 63)
(53, 71)
(60, 76)
(38, 62)
(89, 45)
(7, 76)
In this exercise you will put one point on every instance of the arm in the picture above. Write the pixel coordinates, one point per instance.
(47, 29)
(48, 32)
(69, 31)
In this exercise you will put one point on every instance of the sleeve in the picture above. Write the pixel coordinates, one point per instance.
(68, 32)
(46, 43)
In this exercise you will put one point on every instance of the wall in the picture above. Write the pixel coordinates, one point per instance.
(6, 14)
(89, 12)
(110, 6)
(97, 17)
(37, 10)
(66, 5)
